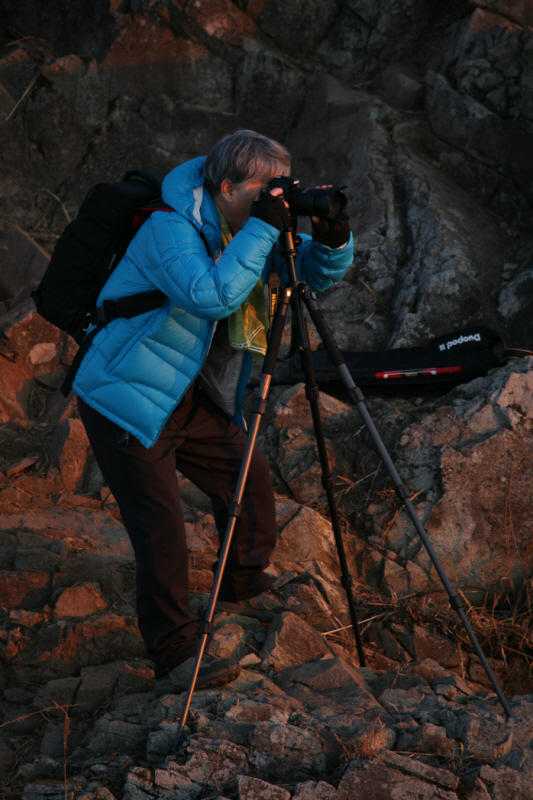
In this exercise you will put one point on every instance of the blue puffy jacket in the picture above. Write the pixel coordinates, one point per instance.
(137, 370)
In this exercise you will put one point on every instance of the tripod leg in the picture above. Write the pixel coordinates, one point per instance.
(312, 394)
(235, 507)
(356, 395)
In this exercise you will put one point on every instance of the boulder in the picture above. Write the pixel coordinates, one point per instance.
(362, 778)
(29, 348)
(116, 736)
(236, 636)
(79, 601)
(25, 590)
(58, 692)
(256, 789)
(289, 753)
(23, 265)
(466, 518)
(8, 757)
(291, 641)
(68, 452)
(62, 649)
(307, 540)
(312, 790)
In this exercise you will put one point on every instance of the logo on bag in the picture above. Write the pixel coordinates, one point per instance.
(473, 337)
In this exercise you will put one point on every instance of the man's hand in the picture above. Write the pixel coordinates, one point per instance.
(328, 231)
(272, 209)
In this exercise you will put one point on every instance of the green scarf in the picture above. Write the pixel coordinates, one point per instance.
(248, 325)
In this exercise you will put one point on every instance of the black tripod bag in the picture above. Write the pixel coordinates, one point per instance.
(453, 358)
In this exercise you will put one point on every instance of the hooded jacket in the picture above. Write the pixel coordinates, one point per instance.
(137, 370)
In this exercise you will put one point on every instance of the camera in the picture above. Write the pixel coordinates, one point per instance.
(327, 203)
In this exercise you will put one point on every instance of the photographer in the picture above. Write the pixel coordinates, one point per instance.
(163, 390)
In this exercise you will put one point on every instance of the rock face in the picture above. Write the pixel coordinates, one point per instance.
(472, 457)
(425, 112)
(435, 148)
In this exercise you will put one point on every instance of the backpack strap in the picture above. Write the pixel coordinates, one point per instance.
(126, 307)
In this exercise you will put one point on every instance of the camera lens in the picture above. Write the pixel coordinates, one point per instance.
(328, 203)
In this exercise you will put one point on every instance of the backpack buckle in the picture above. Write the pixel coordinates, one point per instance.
(106, 312)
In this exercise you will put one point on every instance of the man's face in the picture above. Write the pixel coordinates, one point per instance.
(244, 196)
(235, 202)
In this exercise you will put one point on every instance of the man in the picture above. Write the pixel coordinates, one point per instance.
(163, 390)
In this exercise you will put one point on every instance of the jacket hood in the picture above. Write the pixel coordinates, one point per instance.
(184, 190)
(178, 185)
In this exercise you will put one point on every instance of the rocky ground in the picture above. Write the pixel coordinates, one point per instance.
(425, 111)
(303, 719)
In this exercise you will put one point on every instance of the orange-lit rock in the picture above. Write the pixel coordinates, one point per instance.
(79, 601)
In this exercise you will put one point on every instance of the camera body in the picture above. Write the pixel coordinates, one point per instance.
(326, 203)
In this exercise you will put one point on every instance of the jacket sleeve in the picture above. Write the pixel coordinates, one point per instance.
(179, 265)
(316, 264)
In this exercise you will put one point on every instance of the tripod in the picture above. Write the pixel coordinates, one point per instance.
(297, 294)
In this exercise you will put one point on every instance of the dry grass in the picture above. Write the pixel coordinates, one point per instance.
(503, 626)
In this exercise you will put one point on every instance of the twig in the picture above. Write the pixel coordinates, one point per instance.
(63, 209)
(30, 87)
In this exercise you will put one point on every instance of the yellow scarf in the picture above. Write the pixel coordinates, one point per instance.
(248, 325)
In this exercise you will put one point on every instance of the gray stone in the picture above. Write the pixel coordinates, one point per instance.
(8, 757)
(269, 87)
(23, 264)
(236, 636)
(426, 738)
(115, 736)
(304, 24)
(97, 687)
(289, 753)
(138, 784)
(256, 789)
(36, 559)
(291, 641)
(322, 674)
(310, 790)
(42, 768)
(53, 790)
(374, 778)
(505, 782)
(402, 88)
(368, 35)
(52, 743)
(482, 424)
(59, 692)
(307, 540)
(411, 766)
(212, 762)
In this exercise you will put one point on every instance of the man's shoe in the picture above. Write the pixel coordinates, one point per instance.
(265, 606)
(213, 672)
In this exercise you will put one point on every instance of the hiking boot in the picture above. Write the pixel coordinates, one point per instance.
(265, 606)
(213, 672)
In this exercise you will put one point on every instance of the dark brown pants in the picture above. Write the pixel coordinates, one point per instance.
(201, 442)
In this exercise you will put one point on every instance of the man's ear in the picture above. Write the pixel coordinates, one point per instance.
(227, 190)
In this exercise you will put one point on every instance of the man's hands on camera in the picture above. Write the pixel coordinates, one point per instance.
(330, 232)
(272, 209)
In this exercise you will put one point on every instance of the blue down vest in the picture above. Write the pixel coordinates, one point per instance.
(137, 370)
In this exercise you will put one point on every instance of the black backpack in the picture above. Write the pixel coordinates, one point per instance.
(86, 254)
